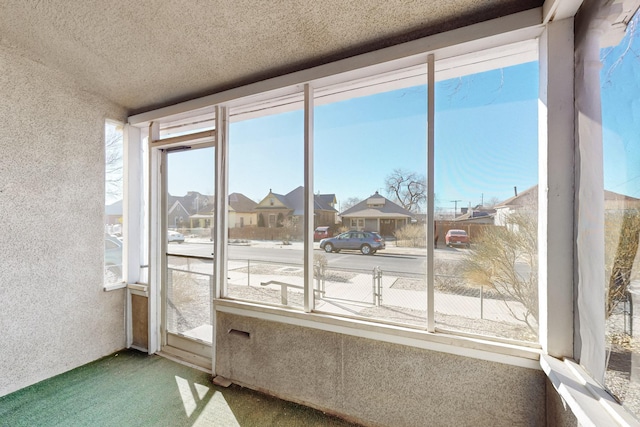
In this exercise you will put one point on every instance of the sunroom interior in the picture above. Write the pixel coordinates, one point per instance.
(498, 100)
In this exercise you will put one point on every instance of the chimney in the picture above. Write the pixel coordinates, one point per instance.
(515, 190)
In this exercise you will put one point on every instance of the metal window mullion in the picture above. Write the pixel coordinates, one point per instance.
(221, 207)
(221, 201)
(430, 190)
(155, 311)
(308, 199)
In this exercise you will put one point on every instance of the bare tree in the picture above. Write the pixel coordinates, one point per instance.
(408, 189)
(505, 258)
(349, 203)
(492, 202)
(113, 164)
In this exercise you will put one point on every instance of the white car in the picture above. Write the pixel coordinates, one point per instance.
(174, 236)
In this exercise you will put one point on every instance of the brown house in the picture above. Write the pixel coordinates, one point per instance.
(275, 209)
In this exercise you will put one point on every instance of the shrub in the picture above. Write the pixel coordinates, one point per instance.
(413, 235)
(505, 258)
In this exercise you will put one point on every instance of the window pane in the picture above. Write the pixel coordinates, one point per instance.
(113, 203)
(266, 207)
(370, 179)
(189, 282)
(486, 150)
(620, 91)
(189, 262)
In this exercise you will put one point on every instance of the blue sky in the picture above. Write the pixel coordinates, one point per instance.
(486, 140)
(621, 114)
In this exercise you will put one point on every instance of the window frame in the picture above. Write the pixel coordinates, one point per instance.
(514, 34)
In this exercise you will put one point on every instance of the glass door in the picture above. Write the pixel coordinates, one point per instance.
(187, 281)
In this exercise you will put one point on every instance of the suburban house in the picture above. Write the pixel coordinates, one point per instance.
(477, 215)
(196, 210)
(193, 210)
(181, 76)
(179, 216)
(377, 213)
(242, 211)
(275, 209)
(527, 201)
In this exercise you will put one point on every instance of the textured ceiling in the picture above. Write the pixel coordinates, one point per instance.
(150, 53)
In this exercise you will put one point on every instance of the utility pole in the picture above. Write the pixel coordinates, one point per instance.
(455, 209)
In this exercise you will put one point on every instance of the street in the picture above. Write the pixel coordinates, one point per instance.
(406, 260)
(271, 272)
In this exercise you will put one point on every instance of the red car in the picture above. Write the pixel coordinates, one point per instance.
(457, 238)
(322, 233)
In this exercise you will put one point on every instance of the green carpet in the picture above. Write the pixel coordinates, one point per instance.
(130, 388)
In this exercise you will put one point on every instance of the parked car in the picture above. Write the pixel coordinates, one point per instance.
(367, 242)
(457, 238)
(174, 236)
(322, 232)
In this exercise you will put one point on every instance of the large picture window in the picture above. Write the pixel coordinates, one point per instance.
(370, 198)
(486, 202)
(265, 257)
(370, 192)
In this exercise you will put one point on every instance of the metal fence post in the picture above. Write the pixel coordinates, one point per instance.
(481, 301)
(373, 286)
(283, 294)
(377, 286)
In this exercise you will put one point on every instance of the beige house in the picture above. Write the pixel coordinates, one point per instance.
(242, 211)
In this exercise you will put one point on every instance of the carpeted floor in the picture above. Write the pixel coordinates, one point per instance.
(130, 388)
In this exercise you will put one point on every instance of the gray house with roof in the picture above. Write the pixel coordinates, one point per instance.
(377, 213)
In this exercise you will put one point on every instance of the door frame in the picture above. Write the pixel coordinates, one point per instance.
(194, 352)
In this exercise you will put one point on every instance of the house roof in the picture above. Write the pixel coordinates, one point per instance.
(476, 215)
(294, 200)
(194, 202)
(386, 209)
(530, 195)
(146, 54)
(241, 203)
(521, 199)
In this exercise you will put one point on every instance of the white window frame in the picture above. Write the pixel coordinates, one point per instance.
(475, 48)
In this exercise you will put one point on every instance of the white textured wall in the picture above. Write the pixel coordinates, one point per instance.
(54, 315)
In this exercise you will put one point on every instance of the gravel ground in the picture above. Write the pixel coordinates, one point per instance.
(623, 353)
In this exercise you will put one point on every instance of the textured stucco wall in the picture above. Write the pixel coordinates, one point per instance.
(54, 314)
(558, 412)
(374, 382)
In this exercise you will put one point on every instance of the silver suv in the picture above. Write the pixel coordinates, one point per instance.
(367, 242)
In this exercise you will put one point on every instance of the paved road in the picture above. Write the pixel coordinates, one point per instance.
(391, 260)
